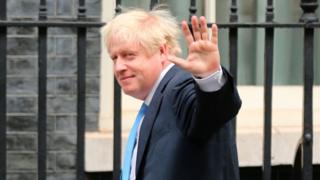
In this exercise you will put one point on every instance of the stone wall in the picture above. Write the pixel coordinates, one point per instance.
(22, 89)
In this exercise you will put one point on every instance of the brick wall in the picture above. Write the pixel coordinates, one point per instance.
(22, 89)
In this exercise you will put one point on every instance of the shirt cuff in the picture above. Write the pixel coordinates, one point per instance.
(213, 82)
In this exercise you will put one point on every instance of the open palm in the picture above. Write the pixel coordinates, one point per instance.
(203, 58)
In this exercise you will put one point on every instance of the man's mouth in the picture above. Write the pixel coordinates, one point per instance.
(126, 78)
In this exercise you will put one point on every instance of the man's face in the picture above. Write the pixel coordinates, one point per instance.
(134, 69)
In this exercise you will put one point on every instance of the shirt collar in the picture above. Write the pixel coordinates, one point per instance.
(147, 101)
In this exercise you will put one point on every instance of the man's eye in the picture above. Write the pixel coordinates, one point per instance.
(113, 58)
(130, 56)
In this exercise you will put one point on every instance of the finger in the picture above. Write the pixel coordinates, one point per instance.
(186, 31)
(214, 38)
(195, 28)
(178, 61)
(204, 28)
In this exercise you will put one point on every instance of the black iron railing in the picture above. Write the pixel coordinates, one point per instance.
(117, 120)
(43, 24)
(42, 93)
(268, 70)
(308, 22)
(3, 91)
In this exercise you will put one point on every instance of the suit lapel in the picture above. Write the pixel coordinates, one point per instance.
(151, 115)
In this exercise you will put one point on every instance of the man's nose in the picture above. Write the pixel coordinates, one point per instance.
(120, 65)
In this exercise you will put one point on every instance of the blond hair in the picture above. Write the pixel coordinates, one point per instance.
(150, 29)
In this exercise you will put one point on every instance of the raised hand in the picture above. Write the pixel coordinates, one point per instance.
(203, 58)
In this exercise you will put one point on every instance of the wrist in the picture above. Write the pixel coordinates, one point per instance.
(208, 73)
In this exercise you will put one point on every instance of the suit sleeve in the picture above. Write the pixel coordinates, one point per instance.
(200, 114)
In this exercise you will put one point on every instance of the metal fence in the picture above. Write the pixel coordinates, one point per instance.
(81, 24)
(308, 22)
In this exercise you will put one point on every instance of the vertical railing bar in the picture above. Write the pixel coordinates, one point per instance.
(233, 41)
(192, 9)
(268, 79)
(307, 101)
(153, 3)
(3, 91)
(307, 104)
(117, 131)
(42, 94)
(81, 92)
(233, 50)
(309, 16)
(117, 120)
(118, 7)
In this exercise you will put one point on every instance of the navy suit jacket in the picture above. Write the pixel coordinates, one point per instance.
(187, 134)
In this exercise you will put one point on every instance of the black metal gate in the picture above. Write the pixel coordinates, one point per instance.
(81, 24)
(308, 22)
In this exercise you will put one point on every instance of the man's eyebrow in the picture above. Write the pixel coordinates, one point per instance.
(129, 51)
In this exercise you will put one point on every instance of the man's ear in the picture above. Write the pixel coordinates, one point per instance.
(164, 52)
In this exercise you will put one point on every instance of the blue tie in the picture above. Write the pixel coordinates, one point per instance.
(131, 143)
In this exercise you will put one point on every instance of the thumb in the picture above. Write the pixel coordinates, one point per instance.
(178, 61)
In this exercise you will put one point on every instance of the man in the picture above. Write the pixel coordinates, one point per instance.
(186, 132)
